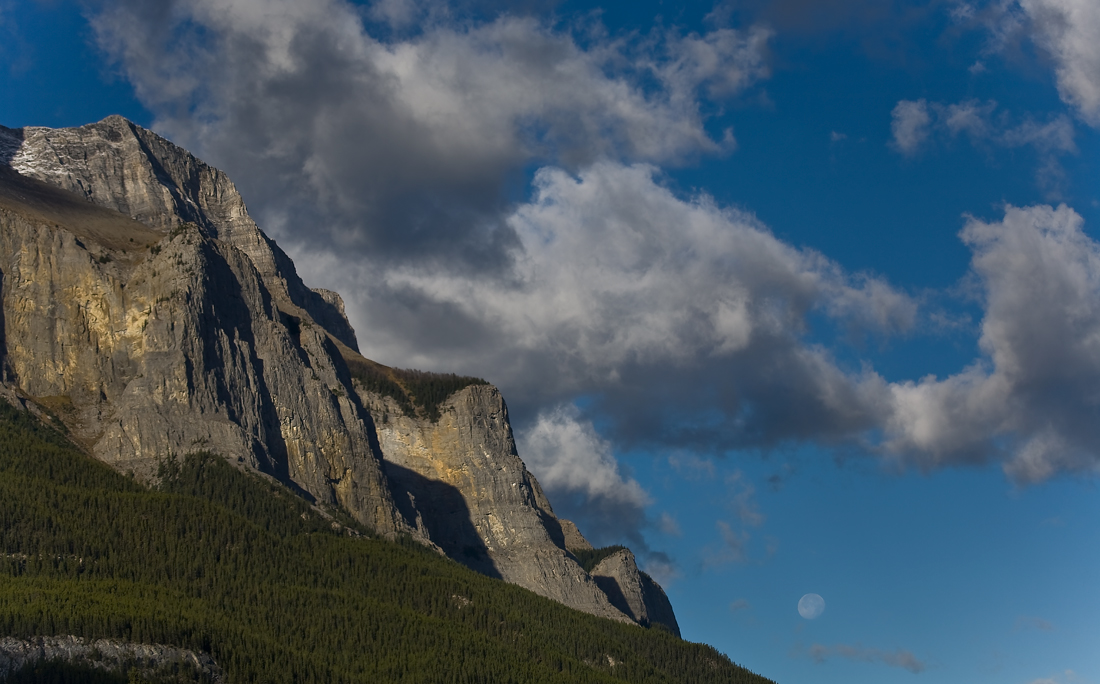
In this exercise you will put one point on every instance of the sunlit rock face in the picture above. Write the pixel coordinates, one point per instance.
(146, 311)
(573, 537)
(473, 496)
(119, 165)
(153, 337)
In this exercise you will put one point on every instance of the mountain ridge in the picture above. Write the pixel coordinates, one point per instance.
(222, 563)
(166, 322)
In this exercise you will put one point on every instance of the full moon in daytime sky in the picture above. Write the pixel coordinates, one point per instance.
(811, 606)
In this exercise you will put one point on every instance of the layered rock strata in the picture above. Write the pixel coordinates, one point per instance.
(144, 308)
(119, 165)
(471, 494)
(573, 537)
(149, 345)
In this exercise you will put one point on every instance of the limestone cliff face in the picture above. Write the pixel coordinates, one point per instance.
(634, 592)
(150, 345)
(144, 307)
(573, 537)
(472, 495)
(117, 164)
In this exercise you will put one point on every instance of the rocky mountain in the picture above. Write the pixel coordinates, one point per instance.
(634, 592)
(147, 312)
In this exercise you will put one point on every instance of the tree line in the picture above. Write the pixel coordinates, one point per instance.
(218, 560)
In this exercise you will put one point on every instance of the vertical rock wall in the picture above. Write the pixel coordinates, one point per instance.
(119, 165)
(476, 498)
(149, 349)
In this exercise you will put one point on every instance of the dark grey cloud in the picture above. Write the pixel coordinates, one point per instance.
(410, 148)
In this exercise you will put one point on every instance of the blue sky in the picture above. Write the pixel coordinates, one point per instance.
(790, 297)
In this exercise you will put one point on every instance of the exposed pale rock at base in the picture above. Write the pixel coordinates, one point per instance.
(109, 655)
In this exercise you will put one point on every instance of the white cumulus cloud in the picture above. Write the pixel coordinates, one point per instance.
(566, 454)
(1067, 30)
(394, 166)
(910, 125)
(1070, 31)
(1033, 399)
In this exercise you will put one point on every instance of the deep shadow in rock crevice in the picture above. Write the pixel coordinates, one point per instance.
(4, 374)
(610, 587)
(11, 139)
(445, 515)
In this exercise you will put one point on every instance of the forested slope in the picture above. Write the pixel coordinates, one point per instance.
(223, 562)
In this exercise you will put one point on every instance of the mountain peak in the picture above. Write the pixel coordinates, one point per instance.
(147, 312)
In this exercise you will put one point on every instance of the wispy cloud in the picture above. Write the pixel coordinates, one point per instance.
(910, 125)
(900, 658)
(743, 500)
(736, 537)
(917, 125)
(667, 524)
(733, 549)
(1031, 622)
(1065, 677)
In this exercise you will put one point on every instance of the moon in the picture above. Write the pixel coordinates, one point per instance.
(811, 606)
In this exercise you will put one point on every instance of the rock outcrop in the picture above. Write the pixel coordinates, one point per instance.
(573, 537)
(145, 309)
(122, 166)
(634, 592)
(462, 479)
(149, 344)
(109, 655)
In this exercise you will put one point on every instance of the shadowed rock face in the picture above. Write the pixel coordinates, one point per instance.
(145, 308)
(108, 655)
(634, 592)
